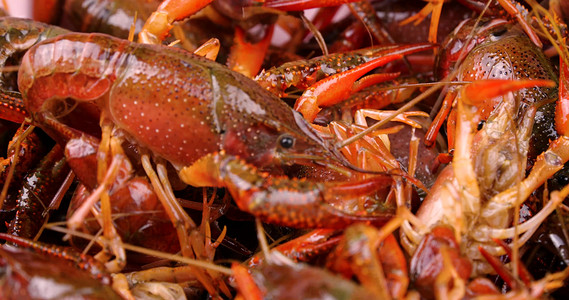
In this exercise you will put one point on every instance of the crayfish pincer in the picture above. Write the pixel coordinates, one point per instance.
(194, 113)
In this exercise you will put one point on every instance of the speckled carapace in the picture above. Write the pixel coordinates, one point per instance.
(178, 105)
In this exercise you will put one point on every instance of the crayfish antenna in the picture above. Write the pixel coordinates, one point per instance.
(317, 35)
(262, 238)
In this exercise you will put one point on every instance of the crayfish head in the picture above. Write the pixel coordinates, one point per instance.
(261, 129)
(309, 148)
(274, 146)
(467, 35)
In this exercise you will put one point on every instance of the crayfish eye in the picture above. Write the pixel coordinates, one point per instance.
(499, 32)
(286, 141)
(481, 124)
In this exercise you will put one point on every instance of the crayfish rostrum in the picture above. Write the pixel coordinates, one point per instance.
(151, 133)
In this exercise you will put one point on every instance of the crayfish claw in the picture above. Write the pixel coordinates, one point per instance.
(294, 202)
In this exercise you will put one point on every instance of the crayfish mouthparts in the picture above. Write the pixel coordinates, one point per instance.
(351, 167)
(334, 161)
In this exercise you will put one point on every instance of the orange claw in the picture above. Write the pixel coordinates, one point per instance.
(304, 247)
(160, 22)
(298, 203)
(335, 88)
(481, 92)
(562, 107)
(247, 58)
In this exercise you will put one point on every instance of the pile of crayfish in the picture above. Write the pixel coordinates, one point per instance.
(285, 149)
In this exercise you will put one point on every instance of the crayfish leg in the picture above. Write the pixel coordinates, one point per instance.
(433, 7)
(365, 12)
(516, 195)
(209, 49)
(106, 175)
(77, 218)
(179, 218)
(449, 284)
(379, 115)
(121, 286)
(515, 12)
(246, 286)
(204, 171)
(204, 249)
(437, 123)
(184, 225)
(160, 22)
(111, 235)
(544, 167)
